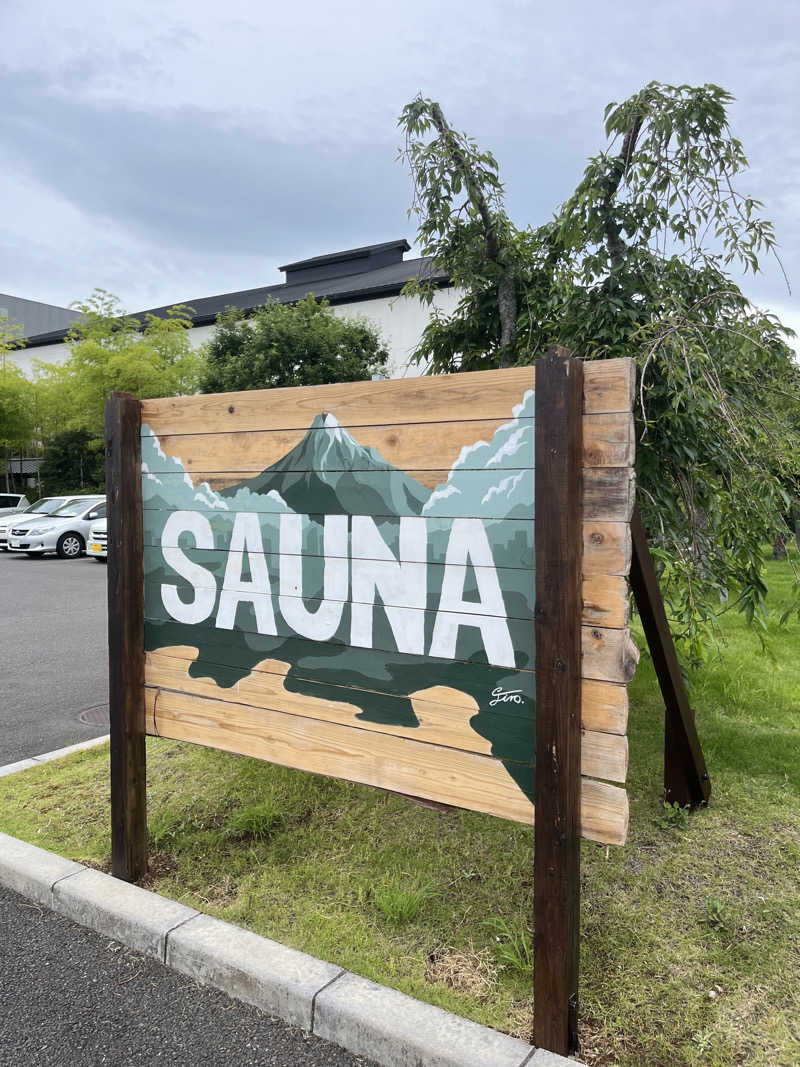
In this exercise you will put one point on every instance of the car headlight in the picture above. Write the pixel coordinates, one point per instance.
(41, 530)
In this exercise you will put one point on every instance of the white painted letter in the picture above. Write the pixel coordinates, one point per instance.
(468, 544)
(322, 624)
(402, 585)
(204, 582)
(246, 537)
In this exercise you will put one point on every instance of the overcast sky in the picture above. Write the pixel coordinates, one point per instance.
(175, 150)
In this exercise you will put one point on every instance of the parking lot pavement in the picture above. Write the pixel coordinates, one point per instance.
(72, 996)
(53, 641)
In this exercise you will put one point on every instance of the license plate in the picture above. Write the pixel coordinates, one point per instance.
(94, 547)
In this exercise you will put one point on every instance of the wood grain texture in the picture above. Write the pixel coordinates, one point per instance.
(604, 705)
(559, 640)
(605, 755)
(608, 655)
(462, 779)
(608, 442)
(605, 597)
(609, 492)
(608, 388)
(126, 638)
(606, 547)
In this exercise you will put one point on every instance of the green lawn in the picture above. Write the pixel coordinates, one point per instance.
(690, 943)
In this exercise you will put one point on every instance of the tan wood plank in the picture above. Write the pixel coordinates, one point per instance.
(606, 548)
(608, 441)
(604, 706)
(462, 779)
(605, 597)
(608, 387)
(603, 755)
(608, 492)
(608, 655)
(606, 601)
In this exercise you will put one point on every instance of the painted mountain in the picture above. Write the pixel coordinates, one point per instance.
(330, 473)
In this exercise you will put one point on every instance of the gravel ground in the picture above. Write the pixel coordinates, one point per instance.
(71, 997)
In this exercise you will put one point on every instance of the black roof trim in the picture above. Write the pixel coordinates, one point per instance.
(370, 285)
(347, 254)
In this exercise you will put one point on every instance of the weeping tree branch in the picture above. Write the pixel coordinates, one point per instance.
(506, 288)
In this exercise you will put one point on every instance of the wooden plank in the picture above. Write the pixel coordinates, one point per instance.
(606, 548)
(604, 755)
(608, 655)
(686, 779)
(604, 705)
(556, 877)
(461, 779)
(605, 601)
(608, 491)
(606, 545)
(605, 597)
(608, 388)
(126, 638)
(608, 441)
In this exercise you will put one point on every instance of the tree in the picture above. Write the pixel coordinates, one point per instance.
(636, 263)
(111, 350)
(108, 350)
(284, 344)
(16, 401)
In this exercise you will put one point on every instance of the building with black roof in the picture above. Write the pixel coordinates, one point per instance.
(357, 281)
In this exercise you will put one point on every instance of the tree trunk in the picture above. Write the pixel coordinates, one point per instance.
(779, 547)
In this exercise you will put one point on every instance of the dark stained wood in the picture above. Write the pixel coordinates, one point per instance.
(559, 508)
(126, 637)
(686, 780)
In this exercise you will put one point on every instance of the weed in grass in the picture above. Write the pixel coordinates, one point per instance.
(513, 945)
(674, 817)
(719, 916)
(401, 903)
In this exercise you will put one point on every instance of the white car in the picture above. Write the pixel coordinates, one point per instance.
(46, 506)
(11, 502)
(64, 532)
(97, 545)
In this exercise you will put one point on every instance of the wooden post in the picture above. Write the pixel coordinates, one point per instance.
(686, 780)
(559, 543)
(126, 637)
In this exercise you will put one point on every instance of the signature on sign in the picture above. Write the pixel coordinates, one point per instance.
(505, 696)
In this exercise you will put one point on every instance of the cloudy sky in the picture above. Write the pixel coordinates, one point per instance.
(172, 150)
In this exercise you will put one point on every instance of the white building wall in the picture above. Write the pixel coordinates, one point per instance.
(400, 320)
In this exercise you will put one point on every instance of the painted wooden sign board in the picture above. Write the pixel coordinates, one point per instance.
(341, 579)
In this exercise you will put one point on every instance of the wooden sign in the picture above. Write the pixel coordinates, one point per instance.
(341, 579)
(419, 585)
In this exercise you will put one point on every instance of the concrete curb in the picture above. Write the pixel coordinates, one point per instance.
(34, 761)
(361, 1016)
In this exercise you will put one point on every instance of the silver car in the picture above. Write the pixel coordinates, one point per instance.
(97, 545)
(46, 506)
(11, 502)
(64, 532)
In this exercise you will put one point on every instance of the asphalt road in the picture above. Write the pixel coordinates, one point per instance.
(72, 997)
(53, 642)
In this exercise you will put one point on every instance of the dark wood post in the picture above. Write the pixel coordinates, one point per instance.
(126, 637)
(559, 551)
(686, 780)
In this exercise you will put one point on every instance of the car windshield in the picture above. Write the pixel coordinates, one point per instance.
(75, 507)
(46, 506)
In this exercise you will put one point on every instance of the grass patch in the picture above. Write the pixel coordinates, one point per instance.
(690, 937)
